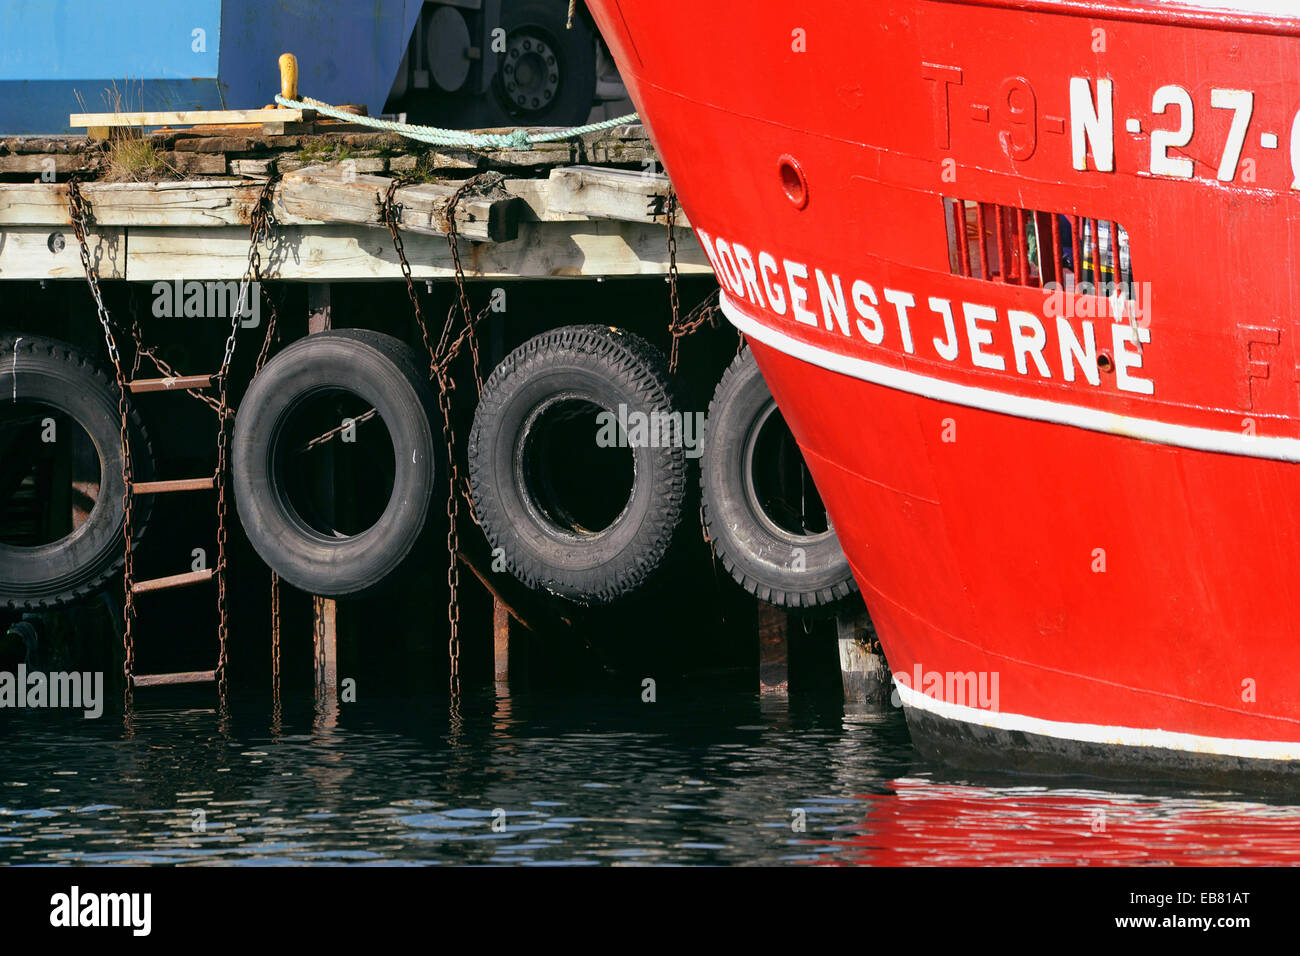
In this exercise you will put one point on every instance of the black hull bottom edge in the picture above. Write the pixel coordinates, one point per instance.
(994, 750)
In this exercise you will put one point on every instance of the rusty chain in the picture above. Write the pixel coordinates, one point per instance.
(467, 335)
(674, 323)
(441, 356)
(134, 311)
(259, 230)
(169, 371)
(706, 313)
(275, 643)
(319, 658)
(326, 436)
(269, 340)
(80, 217)
(392, 215)
(163, 367)
(453, 542)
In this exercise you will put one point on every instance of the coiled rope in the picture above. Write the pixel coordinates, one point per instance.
(436, 136)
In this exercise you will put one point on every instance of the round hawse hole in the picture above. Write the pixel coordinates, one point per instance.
(1104, 362)
(794, 182)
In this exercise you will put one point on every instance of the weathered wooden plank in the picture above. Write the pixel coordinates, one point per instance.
(183, 580)
(42, 252)
(343, 252)
(536, 197)
(322, 193)
(258, 168)
(173, 485)
(492, 217)
(179, 677)
(192, 203)
(210, 202)
(174, 384)
(366, 164)
(33, 204)
(337, 193)
(189, 118)
(51, 163)
(59, 143)
(213, 144)
(287, 129)
(605, 193)
(542, 155)
(196, 164)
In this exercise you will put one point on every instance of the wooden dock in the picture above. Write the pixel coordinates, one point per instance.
(594, 206)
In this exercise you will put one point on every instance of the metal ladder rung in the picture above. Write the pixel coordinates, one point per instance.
(178, 383)
(173, 581)
(180, 677)
(176, 484)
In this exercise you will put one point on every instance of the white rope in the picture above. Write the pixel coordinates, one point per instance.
(515, 139)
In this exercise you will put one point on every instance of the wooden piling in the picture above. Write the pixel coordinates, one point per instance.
(319, 317)
(325, 615)
(773, 650)
(324, 610)
(508, 647)
(863, 670)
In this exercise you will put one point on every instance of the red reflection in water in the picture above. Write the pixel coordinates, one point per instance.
(926, 824)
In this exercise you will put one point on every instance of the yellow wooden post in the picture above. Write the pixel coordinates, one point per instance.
(288, 76)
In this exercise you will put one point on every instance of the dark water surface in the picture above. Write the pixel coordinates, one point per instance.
(581, 779)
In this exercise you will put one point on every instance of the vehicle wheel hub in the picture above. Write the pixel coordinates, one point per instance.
(530, 74)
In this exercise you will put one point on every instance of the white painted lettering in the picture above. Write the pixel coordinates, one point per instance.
(902, 301)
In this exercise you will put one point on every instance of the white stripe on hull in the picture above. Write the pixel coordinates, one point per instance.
(1100, 734)
(1037, 409)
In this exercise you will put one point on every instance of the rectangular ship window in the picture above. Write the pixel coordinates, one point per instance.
(1027, 247)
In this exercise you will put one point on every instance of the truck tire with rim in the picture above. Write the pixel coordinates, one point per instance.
(285, 498)
(761, 508)
(44, 382)
(593, 520)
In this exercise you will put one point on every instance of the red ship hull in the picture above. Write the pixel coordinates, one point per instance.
(1074, 517)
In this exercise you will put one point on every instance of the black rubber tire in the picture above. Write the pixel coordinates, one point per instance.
(574, 98)
(604, 367)
(74, 567)
(758, 553)
(387, 374)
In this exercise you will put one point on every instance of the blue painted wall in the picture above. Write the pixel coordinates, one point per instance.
(90, 39)
(51, 50)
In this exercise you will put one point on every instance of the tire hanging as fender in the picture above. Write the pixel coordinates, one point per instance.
(761, 508)
(42, 373)
(280, 423)
(572, 498)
